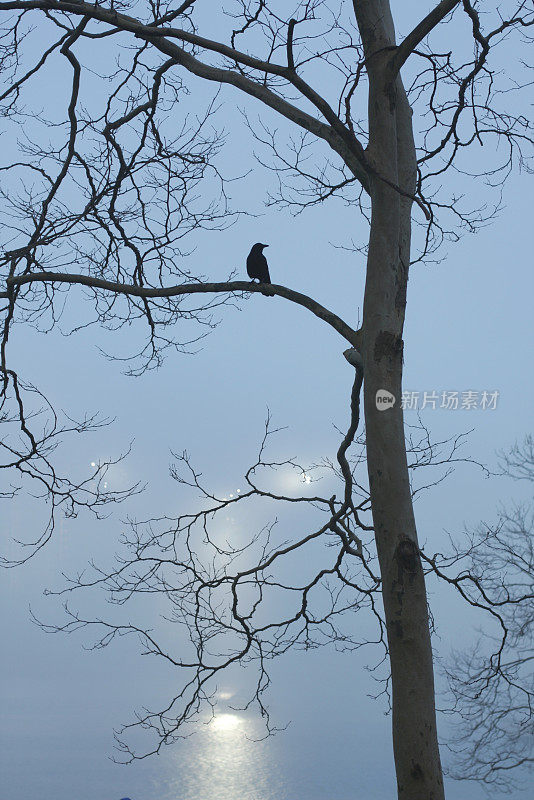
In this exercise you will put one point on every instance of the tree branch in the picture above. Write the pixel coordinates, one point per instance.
(290, 29)
(408, 45)
(335, 133)
(348, 333)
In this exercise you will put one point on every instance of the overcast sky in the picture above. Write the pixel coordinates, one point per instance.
(468, 327)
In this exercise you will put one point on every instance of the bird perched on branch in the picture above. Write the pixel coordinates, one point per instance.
(257, 266)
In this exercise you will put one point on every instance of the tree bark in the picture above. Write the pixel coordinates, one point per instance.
(391, 153)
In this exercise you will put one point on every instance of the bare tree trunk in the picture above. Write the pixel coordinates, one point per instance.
(391, 152)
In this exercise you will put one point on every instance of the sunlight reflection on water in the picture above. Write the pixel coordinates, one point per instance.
(222, 763)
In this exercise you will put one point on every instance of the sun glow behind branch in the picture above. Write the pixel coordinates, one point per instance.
(225, 723)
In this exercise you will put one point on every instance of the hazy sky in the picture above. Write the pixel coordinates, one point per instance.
(468, 328)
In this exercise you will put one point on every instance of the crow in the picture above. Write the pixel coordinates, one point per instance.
(257, 265)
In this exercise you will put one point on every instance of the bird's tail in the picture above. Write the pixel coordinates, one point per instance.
(267, 292)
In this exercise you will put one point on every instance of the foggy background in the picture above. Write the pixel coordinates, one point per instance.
(468, 328)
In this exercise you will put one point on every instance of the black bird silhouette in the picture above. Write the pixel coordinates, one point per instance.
(257, 266)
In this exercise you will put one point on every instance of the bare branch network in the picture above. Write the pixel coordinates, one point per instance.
(492, 682)
(108, 189)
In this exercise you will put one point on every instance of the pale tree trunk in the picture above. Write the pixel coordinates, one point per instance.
(392, 154)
